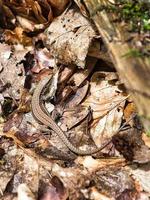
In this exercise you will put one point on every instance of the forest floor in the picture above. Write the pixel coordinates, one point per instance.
(85, 98)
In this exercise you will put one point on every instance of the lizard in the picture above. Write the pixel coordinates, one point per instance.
(41, 115)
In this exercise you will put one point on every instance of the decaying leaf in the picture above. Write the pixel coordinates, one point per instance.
(81, 75)
(128, 111)
(106, 102)
(29, 14)
(50, 193)
(59, 4)
(17, 36)
(115, 182)
(142, 176)
(130, 144)
(13, 122)
(79, 95)
(24, 192)
(82, 8)
(10, 74)
(69, 37)
(42, 60)
(75, 81)
(73, 117)
(31, 167)
(5, 177)
(55, 191)
(32, 10)
(146, 139)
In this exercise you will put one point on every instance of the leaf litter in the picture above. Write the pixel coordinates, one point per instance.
(86, 99)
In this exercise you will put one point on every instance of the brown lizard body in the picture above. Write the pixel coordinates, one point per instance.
(41, 115)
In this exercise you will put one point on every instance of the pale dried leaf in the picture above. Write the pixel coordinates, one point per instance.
(25, 23)
(146, 139)
(31, 178)
(96, 195)
(24, 193)
(94, 164)
(10, 71)
(69, 37)
(142, 176)
(42, 60)
(107, 103)
(5, 177)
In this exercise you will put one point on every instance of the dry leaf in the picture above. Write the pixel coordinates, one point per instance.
(129, 110)
(5, 177)
(79, 96)
(10, 74)
(59, 4)
(42, 60)
(50, 193)
(17, 36)
(146, 139)
(142, 176)
(82, 74)
(31, 177)
(106, 102)
(82, 8)
(69, 37)
(130, 144)
(75, 81)
(24, 193)
(13, 122)
(115, 182)
(26, 12)
(25, 23)
(73, 117)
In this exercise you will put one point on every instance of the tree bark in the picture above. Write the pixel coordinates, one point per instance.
(134, 71)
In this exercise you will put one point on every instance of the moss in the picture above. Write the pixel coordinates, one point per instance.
(148, 133)
(137, 53)
(136, 13)
(133, 53)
